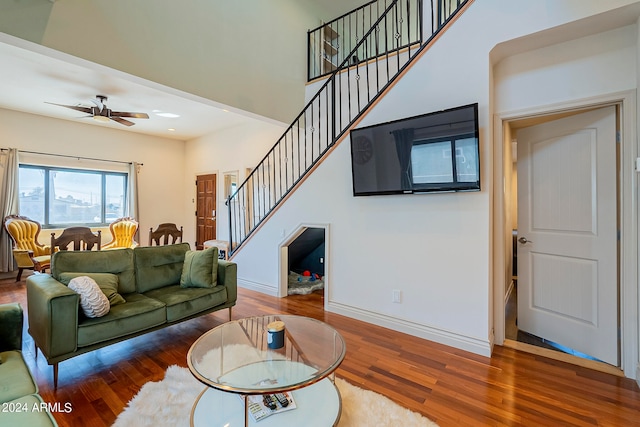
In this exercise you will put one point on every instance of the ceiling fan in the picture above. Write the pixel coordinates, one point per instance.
(101, 113)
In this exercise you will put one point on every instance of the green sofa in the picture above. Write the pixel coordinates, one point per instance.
(148, 278)
(20, 404)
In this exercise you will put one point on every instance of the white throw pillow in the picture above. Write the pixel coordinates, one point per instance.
(93, 301)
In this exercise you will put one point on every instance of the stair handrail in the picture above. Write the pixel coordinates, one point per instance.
(312, 72)
(310, 102)
(344, 66)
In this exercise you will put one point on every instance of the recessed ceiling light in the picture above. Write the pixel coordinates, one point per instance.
(171, 130)
(169, 115)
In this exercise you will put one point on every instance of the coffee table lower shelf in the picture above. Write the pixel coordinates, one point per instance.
(317, 405)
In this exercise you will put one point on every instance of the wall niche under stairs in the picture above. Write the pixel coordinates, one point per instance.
(304, 256)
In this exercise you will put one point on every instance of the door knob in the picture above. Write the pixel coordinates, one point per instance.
(524, 240)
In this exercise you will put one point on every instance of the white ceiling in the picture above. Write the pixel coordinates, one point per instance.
(32, 75)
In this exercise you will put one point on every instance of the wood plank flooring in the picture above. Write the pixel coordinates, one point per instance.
(450, 386)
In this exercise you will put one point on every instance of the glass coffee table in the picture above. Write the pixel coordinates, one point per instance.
(235, 362)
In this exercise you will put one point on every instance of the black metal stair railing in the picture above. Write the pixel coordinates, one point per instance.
(331, 43)
(328, 45)
(372, 64)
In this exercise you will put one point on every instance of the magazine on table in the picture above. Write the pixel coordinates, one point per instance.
(260, 406)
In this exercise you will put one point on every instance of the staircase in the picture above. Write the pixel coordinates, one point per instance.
(383, 38)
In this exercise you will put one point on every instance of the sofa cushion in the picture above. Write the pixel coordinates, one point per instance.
(200, 269)
(11, 320)
(30, 413)
(93, 301)
(158, 266)
(185, 302)
(107, 282)
(15, 379)
(117, 261)
(137, 314)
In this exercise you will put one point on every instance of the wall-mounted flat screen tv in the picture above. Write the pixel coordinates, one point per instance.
(434, 152)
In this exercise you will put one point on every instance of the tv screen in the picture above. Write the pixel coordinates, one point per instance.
(433, 152)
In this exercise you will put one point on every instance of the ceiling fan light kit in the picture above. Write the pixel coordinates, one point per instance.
(101, 113)
(101, 119)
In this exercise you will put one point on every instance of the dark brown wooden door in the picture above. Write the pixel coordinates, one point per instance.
(205, 214)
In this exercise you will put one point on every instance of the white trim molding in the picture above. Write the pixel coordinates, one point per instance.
(474, 345)
(263, 288)
(284, 258)
(629, 302)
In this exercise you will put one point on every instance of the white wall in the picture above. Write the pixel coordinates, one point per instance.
(567, 71)
(166, 181)
(576, 74)
(435, 248)
(233, 149)
(161, 179)
(248, 54)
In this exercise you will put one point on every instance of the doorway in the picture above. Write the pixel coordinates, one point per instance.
(567, 216)
(205, 209)
(304, 264)
(504, 217)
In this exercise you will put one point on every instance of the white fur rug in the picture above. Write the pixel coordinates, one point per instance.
(169, 402)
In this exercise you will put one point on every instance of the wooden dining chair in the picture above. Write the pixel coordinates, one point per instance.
(166, 234)
(82, 237)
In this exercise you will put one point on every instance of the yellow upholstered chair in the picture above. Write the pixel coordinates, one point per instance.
(123, 232)
(27, 251)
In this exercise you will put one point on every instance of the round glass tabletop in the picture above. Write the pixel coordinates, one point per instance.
(236, 356)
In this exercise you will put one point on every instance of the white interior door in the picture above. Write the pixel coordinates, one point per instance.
(567, 230)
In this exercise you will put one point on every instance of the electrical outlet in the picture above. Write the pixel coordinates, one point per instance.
(321, 260)
(396, 296)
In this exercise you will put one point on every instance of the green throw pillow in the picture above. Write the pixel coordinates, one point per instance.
(107, 282)
(200, 269)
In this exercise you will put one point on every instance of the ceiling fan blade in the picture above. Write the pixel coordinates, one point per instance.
(122, 121)
(100, 111)
(73, 107)
(129, 114)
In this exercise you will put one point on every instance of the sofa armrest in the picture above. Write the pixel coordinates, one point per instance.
(52, 309)
(228, 277)
(11, 320)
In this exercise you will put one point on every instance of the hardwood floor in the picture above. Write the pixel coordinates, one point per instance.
(450, 386)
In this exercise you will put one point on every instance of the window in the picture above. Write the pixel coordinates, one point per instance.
(60, 197)
(431, 161)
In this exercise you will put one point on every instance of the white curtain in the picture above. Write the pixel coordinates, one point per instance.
(8, 203)
(132, 191)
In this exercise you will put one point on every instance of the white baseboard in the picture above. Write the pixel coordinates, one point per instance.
(474, 345)
(471, 344)
(258, 287)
